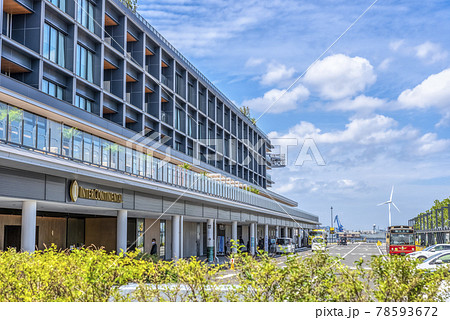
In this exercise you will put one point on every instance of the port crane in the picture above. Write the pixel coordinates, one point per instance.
(340, 227)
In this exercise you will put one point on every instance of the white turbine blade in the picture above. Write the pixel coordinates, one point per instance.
(392, 193)
(396, 207)
(380, 204)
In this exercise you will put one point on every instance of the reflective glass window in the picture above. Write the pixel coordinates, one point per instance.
(3, 120)
(96, 150)
(114, 156)
(106, 153)
(87, 147)
(129, 160)
(55, 137)
(29, 129)
(78, 146)
(122, 156)
(67, 140)
(42, 134)
(15, 117)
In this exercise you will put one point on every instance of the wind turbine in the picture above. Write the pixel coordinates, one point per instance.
(389, 202)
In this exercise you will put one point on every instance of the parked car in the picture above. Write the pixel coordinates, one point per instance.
(428, 252)
(318, 243)
(435, 261)
(342, 241)
(285, 245)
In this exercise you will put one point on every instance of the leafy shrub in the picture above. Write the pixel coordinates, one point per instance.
(94, 275)
(78, 275)
(397, 279)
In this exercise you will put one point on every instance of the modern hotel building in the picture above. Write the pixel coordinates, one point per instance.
(99, 117)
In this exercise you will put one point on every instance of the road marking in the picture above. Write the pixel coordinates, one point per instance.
(226, 276)
(351, 251)
(381, 253)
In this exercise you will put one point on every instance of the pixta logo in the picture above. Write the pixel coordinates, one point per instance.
(309, 152)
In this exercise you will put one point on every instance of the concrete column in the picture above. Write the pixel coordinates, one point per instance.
(201, 238)
(215, 239)
(299, 238)
(266, 238)
(277, 231)
(252, 238)
(181, 236)
(28, 232)
(122, 218)
(210, 240)
(197, 239)
(234, 237)
(175, 237)
(286, 232)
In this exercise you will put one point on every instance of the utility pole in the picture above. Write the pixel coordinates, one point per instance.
(331, 223)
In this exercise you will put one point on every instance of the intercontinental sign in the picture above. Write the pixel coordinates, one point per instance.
(76, 191)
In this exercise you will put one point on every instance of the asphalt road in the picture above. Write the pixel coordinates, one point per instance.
(349, 253)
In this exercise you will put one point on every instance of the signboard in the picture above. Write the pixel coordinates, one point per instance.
(76, 191)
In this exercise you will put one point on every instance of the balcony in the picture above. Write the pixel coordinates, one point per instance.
(165, 80)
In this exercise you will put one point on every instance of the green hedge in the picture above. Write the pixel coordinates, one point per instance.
(94, 275)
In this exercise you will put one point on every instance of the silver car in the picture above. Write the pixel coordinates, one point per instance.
(428, 252)
(435, 261)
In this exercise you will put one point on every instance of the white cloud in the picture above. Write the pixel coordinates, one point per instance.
(254, 62)
(361, 103)
(288, 102)
(368, 133)
(339, 76)
(429, 143)
(378, 129)
(385, 64)
(277, 74)
(431, 52)
(397, 44)
(432, 92)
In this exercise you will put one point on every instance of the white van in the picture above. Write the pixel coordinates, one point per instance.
(318, 243)
(285, 245)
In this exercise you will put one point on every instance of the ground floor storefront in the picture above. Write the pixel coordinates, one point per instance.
(175, 236)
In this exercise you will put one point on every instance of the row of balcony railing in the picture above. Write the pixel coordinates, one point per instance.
(28, 130)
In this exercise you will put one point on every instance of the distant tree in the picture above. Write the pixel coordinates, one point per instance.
(131, 4)
(246, 112)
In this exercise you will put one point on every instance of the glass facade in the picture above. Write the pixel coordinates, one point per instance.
(178, 119)
(140, 233)
(32, 131)
(54, 45)
(68, 40)
(52, 89)
(60, 4)
(162, 239)
(85, 61)
(85, 14)
(83, 103)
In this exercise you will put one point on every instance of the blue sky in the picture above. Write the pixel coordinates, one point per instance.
(377, 104)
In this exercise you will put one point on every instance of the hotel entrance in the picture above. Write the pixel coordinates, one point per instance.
(12, 236)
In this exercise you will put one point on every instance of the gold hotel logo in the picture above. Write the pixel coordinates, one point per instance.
(76, 191)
